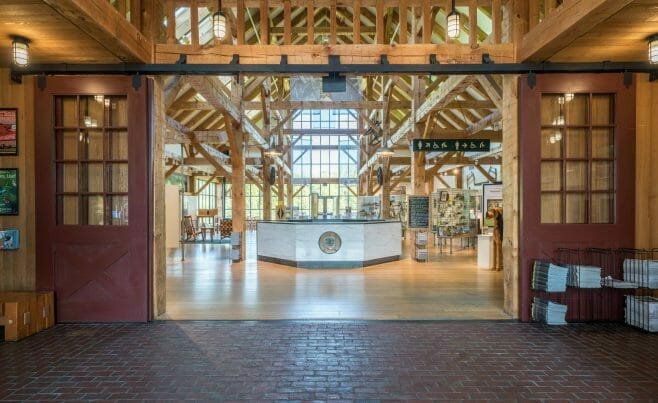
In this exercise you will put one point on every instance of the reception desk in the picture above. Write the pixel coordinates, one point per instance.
(328, 244)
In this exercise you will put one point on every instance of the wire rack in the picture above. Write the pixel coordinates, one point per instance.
(608, 285)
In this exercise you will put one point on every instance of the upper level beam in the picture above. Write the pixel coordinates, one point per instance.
(349, 54)
(568, 22)
(108, 27)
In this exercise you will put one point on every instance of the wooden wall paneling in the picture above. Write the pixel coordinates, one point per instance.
(17, 268)
(158, 134)
(646, 177)
(511, 196)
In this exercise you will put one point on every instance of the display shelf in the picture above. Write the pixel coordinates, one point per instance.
(368, 207)
(455, 212)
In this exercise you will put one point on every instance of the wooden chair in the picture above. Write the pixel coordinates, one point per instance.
(225, 228)
(190, 231)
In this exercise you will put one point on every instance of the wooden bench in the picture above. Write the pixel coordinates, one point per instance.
(24, 313)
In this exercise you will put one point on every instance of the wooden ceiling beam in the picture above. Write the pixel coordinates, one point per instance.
(102, 22)
(349, 54)
(565, 24)
(492, 89)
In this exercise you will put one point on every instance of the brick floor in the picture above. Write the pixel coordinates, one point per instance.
(308, 360)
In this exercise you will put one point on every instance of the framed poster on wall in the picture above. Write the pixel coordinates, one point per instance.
(8, 131)
(9, 239)
(9, 191)
(492, 197)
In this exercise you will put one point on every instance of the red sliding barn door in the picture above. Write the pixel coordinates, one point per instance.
(93, 190)
(577, 142)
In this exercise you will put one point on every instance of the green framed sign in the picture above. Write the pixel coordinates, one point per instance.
(9, 191)
(466, 145)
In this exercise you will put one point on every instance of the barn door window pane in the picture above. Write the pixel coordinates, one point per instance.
(91, 160)
(577, 158)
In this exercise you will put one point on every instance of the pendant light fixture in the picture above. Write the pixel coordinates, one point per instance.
(384, 150)
(20, 50)
(653, 48)
(453, 22)
(219, 22)
(274, 150)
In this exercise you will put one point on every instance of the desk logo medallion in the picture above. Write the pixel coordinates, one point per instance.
(329, 242)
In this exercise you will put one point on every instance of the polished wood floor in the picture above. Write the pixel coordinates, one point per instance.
(207, 286)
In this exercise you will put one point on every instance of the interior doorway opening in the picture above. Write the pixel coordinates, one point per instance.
(327, 168)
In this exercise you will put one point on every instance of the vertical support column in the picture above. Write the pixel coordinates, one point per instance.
(267, 188)
(310, 22)
(332, 23)
(511, 207)
(236, 140)
(287, 25)
(136, 14)
(519, 20)
(279, 178)
(427, 22)
(496, 21)
(171, 22)
(159, 300)
(417, 158)
(473, 24)
(646, 168)
(194, 22)
(357, 22)
(264, 23)
(379, 22)
(240, 23)
(386, 188)
(403, 21)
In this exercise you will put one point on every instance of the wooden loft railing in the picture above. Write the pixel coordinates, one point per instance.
(538, 10)
(311, 26)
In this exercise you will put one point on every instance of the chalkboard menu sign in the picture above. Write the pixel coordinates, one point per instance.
(419, 212)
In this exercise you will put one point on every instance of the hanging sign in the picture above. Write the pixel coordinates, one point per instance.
(467, 145)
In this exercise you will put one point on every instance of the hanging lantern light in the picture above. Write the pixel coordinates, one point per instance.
(20, 50)
(453, 22)
(219, 23)
(653, 48)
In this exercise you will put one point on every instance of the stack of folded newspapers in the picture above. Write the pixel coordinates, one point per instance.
(642, 272)
(642, 312)
(549, 312)
(549, 277)
(584, 276)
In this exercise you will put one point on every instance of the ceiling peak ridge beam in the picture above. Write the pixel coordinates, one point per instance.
(104, 24)
(194, 70)
(565, 24)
